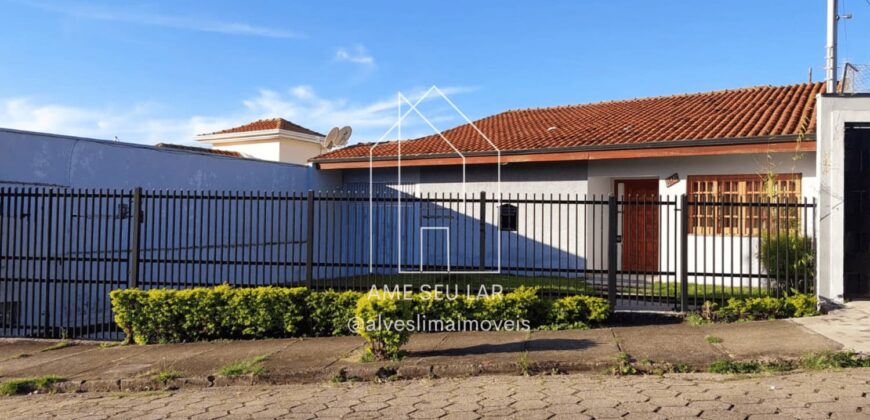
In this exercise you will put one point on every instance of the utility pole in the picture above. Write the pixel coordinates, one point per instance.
(831, 49)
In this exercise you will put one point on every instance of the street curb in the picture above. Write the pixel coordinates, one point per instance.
(368, 372)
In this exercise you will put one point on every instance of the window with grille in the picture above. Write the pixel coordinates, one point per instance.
(508, 214)
(743, 205)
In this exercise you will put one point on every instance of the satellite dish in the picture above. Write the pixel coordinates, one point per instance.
(343, 136)
(331, 138)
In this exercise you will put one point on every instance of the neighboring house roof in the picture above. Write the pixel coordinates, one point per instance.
(199, 149)
(761, 114)
(268, 124)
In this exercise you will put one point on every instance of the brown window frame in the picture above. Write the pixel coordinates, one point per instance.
(715, 213)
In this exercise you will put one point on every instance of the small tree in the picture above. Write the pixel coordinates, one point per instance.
(789, 258)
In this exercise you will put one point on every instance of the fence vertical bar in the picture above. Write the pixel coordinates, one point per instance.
(309, 241)
(612, 225)
(482, 263)
(133, 272)
(684, 253)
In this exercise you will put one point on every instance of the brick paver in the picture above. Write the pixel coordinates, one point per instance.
(839, 394)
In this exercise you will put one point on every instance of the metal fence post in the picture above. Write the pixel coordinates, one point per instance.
(135, 230)
(684, 253)
(482, 231)
(612, 227)
(309, 241)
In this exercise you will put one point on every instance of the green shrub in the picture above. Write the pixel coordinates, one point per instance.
(172, 316)
(752, 308)
(578, 309)
(379, 320)
(755, 308)
(329, 312)
(267, 312)
(789, 257)
(800, 305)
(521, 303)
(439, 305)
(127, 305)
(224, 312)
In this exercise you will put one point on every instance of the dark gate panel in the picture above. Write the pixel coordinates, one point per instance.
(856, 238)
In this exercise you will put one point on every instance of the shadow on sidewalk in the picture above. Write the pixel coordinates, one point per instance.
(543, 344)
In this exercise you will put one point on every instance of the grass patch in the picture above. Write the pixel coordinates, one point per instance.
(623, 365)
(523, 363)
(168, 375)
(253, 366)
(139, 394)
(367, 356)
(700, 292)
(471, 283)
(695, 319)
(24, 386)
(16, 356)
(712, 339)
(749, 367)
(728, 366)
(62, 344)
(833, 360)
(814, 361)
(110, 344)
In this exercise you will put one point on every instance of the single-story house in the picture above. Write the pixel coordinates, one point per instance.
(742, 145)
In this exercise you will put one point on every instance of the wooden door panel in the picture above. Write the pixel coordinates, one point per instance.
(640, 225)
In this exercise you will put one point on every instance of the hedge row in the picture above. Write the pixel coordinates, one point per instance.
(224, 312)
(795, 305)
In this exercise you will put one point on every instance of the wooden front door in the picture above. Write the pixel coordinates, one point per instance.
(640, 225)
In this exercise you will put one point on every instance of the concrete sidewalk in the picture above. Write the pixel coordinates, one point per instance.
(849, 326)
(96, 367)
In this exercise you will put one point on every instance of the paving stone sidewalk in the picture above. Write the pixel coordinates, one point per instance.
(838, 394)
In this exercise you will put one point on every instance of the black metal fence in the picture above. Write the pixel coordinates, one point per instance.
(62, 251)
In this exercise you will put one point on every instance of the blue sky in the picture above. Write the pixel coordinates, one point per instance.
(164, 71)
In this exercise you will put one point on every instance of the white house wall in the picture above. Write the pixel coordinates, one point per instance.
(579, 238)
(538, 244)
(721, 254)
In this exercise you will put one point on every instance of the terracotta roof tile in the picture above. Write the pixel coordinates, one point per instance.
(198, 149)
(269, 124)
(762, 111)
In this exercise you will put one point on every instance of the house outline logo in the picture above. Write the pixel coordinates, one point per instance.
(402, 100)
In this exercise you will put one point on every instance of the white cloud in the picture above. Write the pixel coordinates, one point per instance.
(138, 124)
(142, 123)
(192, 23)
(357, 55)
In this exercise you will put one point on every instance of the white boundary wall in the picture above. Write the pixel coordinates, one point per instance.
(50, 160)
(833, 114)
